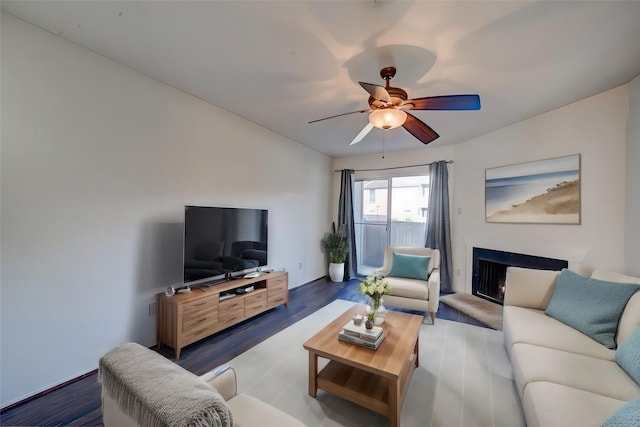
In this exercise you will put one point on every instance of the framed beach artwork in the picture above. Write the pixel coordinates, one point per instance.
(539, 192)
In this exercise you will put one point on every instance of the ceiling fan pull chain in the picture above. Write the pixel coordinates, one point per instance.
(384, 134)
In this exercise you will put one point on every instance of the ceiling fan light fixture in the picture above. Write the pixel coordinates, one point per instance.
(387, 118)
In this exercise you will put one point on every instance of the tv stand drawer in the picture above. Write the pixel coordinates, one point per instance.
(231, 311)
(255, 303)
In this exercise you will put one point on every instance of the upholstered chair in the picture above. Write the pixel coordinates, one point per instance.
(414, 280)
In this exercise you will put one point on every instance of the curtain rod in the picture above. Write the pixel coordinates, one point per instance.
(396, 167)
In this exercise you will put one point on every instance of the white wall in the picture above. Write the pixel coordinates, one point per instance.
(595, 128)
(632, 228)
(97, 163)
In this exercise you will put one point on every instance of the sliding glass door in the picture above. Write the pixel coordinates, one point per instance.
(388, 212)
(371, 220)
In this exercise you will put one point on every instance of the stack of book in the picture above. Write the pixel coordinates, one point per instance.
(370, 338)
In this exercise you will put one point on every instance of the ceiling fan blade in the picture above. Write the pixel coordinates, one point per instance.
(376, 91)
(359, 137)
(343, 114)
(419, 129)
(448, 102)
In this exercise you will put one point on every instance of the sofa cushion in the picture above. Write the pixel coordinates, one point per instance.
(532, 363)
(532, 326)
(591, 306)
(628, 355)
(409, 288)
(409, 266)
(631, 315)
(627, 415)
(528, 287)
(249, 411)
(612, 276)
(549, 404)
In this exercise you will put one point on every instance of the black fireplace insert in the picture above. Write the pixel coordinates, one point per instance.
(490, 270)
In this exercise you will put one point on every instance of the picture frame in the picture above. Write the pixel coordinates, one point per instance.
(538, 192)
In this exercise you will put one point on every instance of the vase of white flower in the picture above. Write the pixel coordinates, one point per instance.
(374, 287)
(377, 310)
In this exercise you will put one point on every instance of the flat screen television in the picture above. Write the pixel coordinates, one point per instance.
(220, 241)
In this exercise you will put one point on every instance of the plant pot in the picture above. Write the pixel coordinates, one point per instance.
(336, 272)
(368, 324)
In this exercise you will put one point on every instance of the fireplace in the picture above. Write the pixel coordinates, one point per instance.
(490, 270)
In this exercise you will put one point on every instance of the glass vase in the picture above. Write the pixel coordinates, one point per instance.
(380, 312)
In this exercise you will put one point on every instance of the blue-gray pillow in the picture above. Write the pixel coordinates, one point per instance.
(628, 355)
(589, 305)
(409, 266)
(627, 415)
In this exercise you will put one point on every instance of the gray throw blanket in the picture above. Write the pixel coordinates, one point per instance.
(154, 391)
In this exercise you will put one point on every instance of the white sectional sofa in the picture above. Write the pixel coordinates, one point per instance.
(564, 377)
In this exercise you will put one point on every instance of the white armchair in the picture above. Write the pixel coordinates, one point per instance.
(413, 294)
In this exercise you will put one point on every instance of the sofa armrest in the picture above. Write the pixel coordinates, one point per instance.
(434, 290)
(530, 288)
(223, 379)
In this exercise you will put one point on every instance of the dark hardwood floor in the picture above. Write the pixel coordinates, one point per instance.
(78, 403)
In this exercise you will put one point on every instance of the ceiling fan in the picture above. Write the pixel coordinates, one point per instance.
(389, 105)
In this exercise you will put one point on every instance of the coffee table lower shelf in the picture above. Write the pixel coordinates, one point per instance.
(363, 388)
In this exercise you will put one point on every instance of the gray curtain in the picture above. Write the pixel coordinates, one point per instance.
(439, 222)
(345, 216)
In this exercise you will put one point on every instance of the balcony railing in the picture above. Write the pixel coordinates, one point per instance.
(371, 241)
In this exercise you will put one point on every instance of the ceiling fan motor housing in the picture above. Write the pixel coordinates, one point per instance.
(398, 96)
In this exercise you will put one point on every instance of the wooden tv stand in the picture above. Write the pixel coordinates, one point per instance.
(186, 318)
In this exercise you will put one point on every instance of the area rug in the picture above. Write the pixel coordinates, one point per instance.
(464, 378)
(480, 309)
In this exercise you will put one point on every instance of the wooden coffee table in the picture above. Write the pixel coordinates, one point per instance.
(374, 379)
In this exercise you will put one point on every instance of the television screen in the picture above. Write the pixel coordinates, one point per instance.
(219, 241)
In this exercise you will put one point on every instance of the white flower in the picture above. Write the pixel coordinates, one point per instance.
(375, 287)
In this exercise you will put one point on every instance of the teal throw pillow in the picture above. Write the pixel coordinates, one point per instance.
(628, 355)
(627, 415)
(409, 266)
(589, 305)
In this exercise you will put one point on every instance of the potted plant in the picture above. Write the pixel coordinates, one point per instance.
(336, 246)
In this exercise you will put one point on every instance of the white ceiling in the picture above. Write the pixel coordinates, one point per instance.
(281, 64)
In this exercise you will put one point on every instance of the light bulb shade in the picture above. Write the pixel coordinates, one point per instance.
(387, 118)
